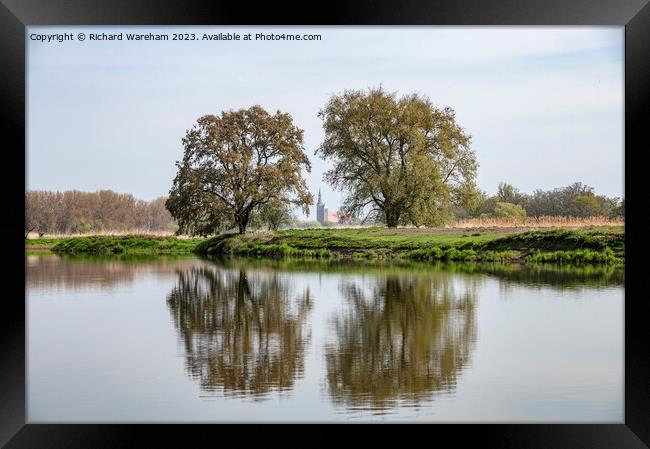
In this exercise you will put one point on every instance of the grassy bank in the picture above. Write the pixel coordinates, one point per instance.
(42, 243)
(492, 245)
(128, 244)
(560, 246)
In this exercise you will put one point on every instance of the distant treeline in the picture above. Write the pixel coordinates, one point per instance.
(74, 212)
(575, 200)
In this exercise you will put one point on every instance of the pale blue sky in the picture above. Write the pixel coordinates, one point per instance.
(544, 105)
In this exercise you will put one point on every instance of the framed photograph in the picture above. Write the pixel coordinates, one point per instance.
(368, 213)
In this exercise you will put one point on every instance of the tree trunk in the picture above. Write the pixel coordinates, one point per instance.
(392, 217)
(29, 230)
(241, 218)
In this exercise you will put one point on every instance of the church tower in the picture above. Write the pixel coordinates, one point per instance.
(321, 210)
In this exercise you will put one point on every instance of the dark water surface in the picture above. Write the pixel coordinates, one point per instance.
(189, 340)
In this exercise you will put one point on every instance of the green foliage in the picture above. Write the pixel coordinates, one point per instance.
(509, 210)
(82, 226)
(560, 239)
(587, 205)
(454, 254)
(507, 193)
(482, 206)
(41, 243)
(576, 257)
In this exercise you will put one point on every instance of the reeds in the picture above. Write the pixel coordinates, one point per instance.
(34, 235)
(539, 222)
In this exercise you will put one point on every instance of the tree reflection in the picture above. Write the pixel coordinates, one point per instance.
(97, 272)
(242, 332)
(402, 339)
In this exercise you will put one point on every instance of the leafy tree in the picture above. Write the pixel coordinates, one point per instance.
(509, 210)
(620, 209)
(274, 215)
(556, 202)
(235, 163)
(404, 159)
(587, 205)
(507, 193)
(609, 206)
(483, 205)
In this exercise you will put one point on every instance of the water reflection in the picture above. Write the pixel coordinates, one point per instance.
(400, 340)
(242, 331)
(78, 272)
(553, 276)
(559, 277)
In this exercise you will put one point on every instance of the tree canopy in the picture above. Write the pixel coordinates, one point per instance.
(400, 160)
(235, 163)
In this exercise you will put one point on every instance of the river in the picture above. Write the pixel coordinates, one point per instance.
(184, 339)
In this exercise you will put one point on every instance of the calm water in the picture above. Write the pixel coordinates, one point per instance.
(191, 340)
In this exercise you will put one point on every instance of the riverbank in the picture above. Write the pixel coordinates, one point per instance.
(113, 244)
(485, 245)
(576, 246)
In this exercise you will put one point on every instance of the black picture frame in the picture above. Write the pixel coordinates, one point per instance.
(634, 15)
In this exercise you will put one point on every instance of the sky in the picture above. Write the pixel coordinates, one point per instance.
(544, 105)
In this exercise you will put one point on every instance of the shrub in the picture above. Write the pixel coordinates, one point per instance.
(509, 210)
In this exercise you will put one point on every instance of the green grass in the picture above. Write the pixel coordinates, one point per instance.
(577, 257)
(42, 243)
(132, 244)
(556, 246)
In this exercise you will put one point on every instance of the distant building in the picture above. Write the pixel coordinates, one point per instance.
(321, 210)
(323, 215)
(332, 217)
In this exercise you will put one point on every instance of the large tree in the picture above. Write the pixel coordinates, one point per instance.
(234, 164)
(401, 160)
